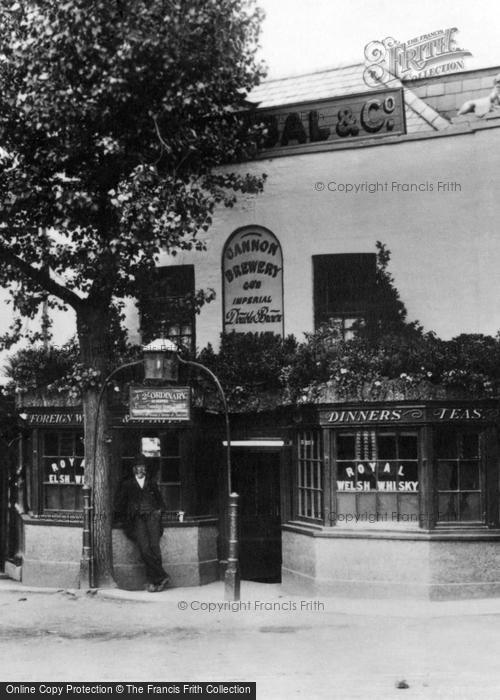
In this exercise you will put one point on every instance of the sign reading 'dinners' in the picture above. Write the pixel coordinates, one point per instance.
(167, 403)
(252, 269)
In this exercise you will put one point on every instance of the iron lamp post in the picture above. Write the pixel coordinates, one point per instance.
(161, 362)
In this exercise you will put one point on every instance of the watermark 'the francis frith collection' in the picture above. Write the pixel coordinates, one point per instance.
(423, 56)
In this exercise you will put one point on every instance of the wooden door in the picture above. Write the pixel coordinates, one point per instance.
(256, 478)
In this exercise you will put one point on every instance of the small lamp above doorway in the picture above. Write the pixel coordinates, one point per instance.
(161, 360)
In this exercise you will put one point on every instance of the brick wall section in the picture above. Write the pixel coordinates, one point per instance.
(446, 94)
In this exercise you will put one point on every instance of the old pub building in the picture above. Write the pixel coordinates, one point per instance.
(395, 496)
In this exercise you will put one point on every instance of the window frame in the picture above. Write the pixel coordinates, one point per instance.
(39, 438)
(125, 462)
(317, 461)
(423, 517)
(328, 310)
(482, 459)
(162, 273)
(373, 434)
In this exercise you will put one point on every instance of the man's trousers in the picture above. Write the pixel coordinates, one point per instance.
(147, 532)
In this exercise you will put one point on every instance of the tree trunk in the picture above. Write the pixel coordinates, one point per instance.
(93, 334)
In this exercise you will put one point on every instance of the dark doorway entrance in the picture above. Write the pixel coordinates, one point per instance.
(256, 478)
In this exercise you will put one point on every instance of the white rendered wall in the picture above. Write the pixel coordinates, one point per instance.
(445, 245)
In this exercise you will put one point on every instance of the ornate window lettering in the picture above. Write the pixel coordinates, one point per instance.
(377, 476)
(62, 470)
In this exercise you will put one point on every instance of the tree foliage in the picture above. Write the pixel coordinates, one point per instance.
(116, 117)
(387, 313)
(113, 117)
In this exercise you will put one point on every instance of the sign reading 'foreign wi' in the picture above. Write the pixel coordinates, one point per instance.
(252, 268)
(167, 403)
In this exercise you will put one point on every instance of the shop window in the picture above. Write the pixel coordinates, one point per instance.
(377, 476)
(344, 289)
(310, 475)
(167, 306)
(63, 470)
(163, 452)
(459, 477)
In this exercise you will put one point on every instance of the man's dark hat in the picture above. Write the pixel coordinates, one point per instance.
(140, 459)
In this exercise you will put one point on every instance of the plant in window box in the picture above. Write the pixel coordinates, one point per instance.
(36, 374)
(53, 375)
(395, 367)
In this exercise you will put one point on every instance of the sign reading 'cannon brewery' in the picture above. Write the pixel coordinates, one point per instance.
(252, 268)
(168, 403)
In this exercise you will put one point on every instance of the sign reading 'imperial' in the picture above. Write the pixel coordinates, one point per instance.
(252, 268)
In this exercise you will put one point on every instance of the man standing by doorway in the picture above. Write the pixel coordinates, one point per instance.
(140, 503)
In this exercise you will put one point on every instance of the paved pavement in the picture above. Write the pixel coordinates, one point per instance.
(292, 647)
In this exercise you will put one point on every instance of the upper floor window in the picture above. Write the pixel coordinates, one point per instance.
(167, 307)
(344, 290)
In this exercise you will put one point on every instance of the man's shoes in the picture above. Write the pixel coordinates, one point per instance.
(164, 584)
(156, 587)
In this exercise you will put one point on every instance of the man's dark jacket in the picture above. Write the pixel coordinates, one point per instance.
(128, 502)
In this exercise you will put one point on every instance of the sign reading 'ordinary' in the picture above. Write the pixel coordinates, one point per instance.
(252, 268)
(167, 403)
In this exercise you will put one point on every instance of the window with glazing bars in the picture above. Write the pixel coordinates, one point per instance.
(167, 307)
(165, 467)
(310, 475)
(62, 470)
(344, 290)
(460, 489)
